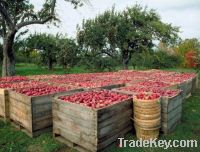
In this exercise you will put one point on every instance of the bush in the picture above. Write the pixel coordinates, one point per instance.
(162, 59)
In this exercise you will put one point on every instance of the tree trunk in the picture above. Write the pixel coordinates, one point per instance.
(8, 66)
(50, 63)
(126, 56)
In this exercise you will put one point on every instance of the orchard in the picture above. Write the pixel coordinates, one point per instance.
(78, 75)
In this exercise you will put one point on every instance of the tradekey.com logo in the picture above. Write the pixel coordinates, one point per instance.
(157, 143)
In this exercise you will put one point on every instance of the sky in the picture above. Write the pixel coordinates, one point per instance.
(182, 13)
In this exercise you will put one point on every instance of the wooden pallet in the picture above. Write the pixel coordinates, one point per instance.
(91, 129)
(33, 114)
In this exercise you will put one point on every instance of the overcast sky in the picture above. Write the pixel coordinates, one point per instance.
(182, 13)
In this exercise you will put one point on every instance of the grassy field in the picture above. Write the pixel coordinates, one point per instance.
(12, 140)
(32, 69)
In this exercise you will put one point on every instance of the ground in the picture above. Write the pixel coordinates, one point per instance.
(12, 140)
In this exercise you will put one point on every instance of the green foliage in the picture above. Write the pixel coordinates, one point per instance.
(186, 46)
(162, 59)
(124, 33)
(197, 59)
(67, 55)
(46, 47)
(156, 59)
(50, 49)
(1, 53)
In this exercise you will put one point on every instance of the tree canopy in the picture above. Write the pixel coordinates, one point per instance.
(133, 30)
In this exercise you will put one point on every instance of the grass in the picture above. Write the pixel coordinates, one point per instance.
(32, 69)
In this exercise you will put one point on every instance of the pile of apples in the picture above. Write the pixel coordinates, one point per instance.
(13, 79)
(147, 96)
(42, 90)
(148, 89)
(167, 93)
(23, 84)
(95, 99)
(158, 84)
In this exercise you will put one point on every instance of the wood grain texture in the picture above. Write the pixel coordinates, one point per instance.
(90, 129)
(33, 114)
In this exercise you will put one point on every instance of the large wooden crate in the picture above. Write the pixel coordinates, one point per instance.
(33, 115)
(171, 111)
(90, 130)
(195, 82)
(4, 103)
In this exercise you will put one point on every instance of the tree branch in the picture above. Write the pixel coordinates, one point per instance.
(5, 15)
(20, 25)
(41, 21)
(29, 15)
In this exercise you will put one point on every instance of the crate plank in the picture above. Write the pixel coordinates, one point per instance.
(168, 116)
(4, 104)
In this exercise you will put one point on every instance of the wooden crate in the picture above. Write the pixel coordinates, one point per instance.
(32, 114)
(186, 87)
(4, 103)
(195, 82)
(171, 111)
(91, 130)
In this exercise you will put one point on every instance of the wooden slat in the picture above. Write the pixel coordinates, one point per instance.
(169, 104)
(168, 116)
(59, 116)
(75, 136)
(106, 131)
(45, 123)
(2, 91)
(104, 144)
(20, 97)
(82, 112)
(20, 113)
(168, 125)
(115, 108)
(126, 114)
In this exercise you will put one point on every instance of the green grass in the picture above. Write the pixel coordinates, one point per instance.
(12, 140)
(32, 69)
